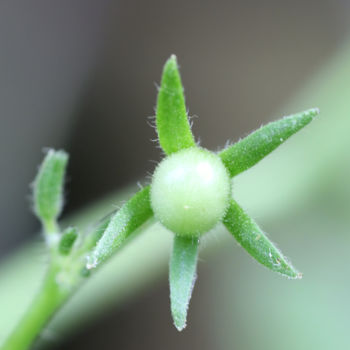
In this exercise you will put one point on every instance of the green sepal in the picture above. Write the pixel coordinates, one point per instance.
(67, 240)
(172, 123)
(131, 216)
(254, 241)
(250, 150)
(96, 232)
(48, 188)
(182, 276)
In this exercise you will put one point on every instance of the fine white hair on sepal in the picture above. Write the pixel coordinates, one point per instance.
(153, 161)
(157, 86)
(191, 119)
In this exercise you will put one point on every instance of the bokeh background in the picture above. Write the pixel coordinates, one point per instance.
(83, 76)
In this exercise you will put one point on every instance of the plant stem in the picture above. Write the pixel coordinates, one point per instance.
(48, 300)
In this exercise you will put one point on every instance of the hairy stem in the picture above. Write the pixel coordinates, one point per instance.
(48, 300)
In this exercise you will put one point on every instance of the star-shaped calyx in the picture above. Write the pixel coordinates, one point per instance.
(191, 193)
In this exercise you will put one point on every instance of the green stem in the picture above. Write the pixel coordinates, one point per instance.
(51, 227)
(48, 300)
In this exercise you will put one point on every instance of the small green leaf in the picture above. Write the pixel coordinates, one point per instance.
(182, 276)
(48, 188)
(67, 240)
(249, 151)
(254, 241)
(131, 216)
(173, 127)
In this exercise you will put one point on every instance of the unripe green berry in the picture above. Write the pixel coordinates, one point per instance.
(190, 191)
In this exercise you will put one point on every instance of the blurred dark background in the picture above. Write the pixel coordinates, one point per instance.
(82, 76)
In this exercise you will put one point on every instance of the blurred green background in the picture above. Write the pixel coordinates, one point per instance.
(82, 76)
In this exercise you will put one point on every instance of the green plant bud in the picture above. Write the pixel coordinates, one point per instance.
(66, 243)
(48, 187)
(190, 191)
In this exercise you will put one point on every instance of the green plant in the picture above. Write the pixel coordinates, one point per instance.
(190, 193)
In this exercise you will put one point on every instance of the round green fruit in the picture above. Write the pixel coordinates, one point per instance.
(190, 191)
